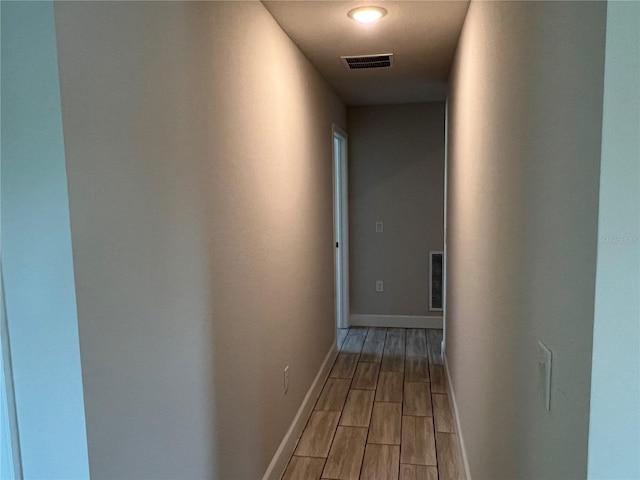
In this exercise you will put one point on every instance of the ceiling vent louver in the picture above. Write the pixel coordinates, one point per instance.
(368, 61)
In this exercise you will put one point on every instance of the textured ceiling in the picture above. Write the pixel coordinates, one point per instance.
(421, 34)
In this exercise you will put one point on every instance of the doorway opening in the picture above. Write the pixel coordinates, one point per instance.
(341, 227)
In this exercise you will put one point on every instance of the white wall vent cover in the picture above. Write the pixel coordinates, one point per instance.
(368, 61)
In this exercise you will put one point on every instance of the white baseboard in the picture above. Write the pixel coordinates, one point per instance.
(278, 464)
(400, 321)
(452, 396)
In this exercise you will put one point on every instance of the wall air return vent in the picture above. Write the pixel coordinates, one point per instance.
(368, 61)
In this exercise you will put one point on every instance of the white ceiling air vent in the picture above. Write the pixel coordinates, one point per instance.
(368, 61)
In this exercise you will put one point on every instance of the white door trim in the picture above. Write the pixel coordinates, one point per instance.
(342, 256)
(9, 415)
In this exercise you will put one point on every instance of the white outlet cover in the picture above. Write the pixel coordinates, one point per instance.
(379, 286)
(544, 364)
(379, 227)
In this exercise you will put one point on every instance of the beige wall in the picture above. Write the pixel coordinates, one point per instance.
(525, 118)
(396, 175)
(198, 143)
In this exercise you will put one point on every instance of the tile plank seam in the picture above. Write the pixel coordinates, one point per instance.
(344, 340)
(420, 345)
(340, 416)
(373, 404)
(342, 410)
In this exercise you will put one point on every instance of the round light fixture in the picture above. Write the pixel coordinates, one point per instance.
(367, 14)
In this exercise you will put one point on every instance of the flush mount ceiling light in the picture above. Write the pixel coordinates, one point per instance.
(367, 14)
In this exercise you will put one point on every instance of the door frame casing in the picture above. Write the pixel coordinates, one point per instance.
(342, 251)
(9, 410)
(443, 347)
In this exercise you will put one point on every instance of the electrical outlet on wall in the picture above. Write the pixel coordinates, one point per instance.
(379, 226)
(544, 367)
(286, 379)
(379, 286)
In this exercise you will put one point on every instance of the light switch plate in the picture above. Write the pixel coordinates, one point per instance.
(379, 227)
(379, 286)
(544, 367)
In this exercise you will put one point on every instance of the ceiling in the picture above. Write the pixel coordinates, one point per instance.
(421, 34)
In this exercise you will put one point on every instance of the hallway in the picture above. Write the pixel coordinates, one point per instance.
(383, 413)
(169, 240)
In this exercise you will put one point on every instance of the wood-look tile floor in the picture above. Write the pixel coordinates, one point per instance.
(383, 414)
